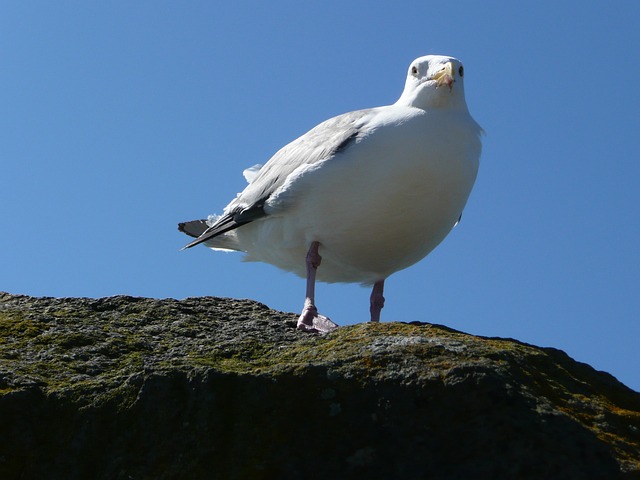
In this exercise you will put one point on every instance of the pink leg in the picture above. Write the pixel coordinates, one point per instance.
(310, 320)
(377, 300)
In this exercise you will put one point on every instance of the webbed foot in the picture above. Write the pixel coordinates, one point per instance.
(312, 322)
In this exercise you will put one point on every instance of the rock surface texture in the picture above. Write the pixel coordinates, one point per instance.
(210, 388)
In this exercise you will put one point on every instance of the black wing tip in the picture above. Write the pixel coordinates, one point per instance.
(189, 245)
(195, 229)
(201, 231)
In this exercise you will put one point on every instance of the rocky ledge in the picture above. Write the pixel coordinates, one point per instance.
(211, 388)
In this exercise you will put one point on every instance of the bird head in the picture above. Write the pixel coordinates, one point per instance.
(434, 81)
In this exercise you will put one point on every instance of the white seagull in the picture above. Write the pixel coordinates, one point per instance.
(362, 195)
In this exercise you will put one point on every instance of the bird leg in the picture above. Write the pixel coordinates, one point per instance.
(377, 300)
(310, 320)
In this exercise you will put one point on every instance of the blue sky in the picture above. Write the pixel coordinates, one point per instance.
(121, 119)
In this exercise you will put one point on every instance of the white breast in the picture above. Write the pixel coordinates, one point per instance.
(379, 206)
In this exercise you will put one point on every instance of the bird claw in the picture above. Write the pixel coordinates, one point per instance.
(312, 322)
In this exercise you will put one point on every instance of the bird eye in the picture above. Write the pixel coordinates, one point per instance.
(414, 70)
(461, 71)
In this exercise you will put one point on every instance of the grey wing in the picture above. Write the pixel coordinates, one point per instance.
(318, 144)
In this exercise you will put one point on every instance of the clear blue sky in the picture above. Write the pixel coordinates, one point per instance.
(120, 119)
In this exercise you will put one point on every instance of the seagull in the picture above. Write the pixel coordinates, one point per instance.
(362, 195)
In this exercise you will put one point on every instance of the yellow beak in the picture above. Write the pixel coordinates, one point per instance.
(445, 75)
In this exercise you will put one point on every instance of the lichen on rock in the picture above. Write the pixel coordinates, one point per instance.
(125, 387)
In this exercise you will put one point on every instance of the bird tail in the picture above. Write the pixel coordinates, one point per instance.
(204, 231)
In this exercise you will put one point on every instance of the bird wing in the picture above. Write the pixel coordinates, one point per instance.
(193, 228)
(320, 143)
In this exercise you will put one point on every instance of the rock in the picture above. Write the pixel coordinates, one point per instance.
(208, 388)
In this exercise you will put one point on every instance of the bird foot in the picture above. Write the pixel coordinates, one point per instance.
(311, 321)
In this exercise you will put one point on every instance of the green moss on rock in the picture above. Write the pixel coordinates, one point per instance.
(126, 387)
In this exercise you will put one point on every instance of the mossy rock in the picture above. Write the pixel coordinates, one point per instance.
(207, 388)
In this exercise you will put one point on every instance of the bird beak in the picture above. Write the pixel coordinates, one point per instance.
(444, 76)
